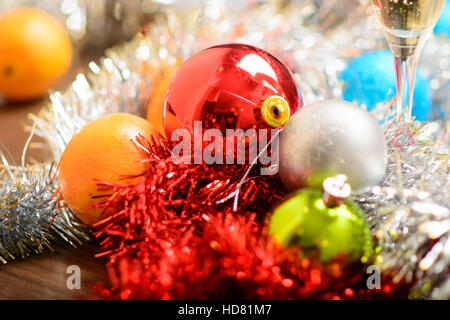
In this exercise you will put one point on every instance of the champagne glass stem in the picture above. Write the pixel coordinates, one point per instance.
(405, 73)
(406, 52)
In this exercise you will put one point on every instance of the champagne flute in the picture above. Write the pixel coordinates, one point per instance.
(407, 24)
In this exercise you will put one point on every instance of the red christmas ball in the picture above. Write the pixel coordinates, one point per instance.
(231, 86)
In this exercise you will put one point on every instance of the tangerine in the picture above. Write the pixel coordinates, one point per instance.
(161, 77)
(35, 53)
(103, 150)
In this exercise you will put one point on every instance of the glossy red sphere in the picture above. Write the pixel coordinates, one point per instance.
(225, 87)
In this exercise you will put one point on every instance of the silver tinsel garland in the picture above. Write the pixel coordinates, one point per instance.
(31, 217)
(409, 211)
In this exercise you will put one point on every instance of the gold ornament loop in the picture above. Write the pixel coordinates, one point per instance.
(275, 111)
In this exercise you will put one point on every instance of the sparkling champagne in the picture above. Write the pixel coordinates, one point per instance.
(407, 25)
(408, 16)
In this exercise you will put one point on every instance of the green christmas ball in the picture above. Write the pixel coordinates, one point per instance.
(303, 219)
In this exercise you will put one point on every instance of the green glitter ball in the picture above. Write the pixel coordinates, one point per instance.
(303, 219)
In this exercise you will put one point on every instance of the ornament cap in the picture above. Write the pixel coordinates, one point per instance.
(335, 190)
(275, 111)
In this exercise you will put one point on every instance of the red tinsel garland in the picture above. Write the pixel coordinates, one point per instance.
(170, 240)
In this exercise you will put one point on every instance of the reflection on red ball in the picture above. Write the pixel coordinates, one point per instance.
(231, 86)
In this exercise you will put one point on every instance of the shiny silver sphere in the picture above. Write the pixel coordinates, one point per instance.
(328, 138)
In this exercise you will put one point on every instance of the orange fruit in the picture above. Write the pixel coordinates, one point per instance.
(161, 77)
(35, 52)
(102, 150)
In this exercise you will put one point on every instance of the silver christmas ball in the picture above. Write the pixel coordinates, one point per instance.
(328, 138)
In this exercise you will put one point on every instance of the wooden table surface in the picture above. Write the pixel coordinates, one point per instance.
(45, 276)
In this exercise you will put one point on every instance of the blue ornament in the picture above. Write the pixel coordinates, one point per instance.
(443, 24)
(370, 79)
